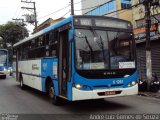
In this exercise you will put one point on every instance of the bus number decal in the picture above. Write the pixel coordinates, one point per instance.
(118, 82)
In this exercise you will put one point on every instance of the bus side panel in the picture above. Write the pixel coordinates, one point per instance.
(49, 70)
(31, 73)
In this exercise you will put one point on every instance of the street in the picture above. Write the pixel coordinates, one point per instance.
(13, 100)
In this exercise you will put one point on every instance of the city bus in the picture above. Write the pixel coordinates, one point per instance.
(79, 58)
(3, 63)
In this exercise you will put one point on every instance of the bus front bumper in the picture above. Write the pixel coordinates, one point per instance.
(98, 94)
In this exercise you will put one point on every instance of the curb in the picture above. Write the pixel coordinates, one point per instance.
(143, 94)
(155, 95)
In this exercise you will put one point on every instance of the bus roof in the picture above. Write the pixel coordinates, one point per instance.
(52, 27)
(63, 22)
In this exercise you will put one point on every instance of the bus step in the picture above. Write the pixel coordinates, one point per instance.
(63, 97)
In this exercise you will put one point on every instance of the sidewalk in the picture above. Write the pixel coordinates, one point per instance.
(150, 94)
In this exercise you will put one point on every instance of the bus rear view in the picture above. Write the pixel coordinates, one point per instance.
(104, 58)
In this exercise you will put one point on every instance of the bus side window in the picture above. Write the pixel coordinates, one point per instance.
(40, 41)
(43, 40)
(32, 52)
(53, 43)
(19, 53)
(33, 44)
(29, 50)
(25, 55)
(47, 45)
(41, 47)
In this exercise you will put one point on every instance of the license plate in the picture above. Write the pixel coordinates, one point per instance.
(110, 92)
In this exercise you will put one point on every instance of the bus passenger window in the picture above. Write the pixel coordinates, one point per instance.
(33, 44)
(53, 41)
(43, 41)
(47, 39)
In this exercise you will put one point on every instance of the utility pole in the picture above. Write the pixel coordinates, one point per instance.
(21, 25)
(148, 4)
(72, 7)
(148, 45)
(34, 9)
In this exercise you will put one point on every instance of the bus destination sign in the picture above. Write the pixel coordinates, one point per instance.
(102, 23)
(111, 23)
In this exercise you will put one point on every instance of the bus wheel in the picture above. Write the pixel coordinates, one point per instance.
(21, 83)
(53, 98)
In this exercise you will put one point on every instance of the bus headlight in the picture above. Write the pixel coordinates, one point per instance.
(132, 84)
(125, 76)
(4, 69)
(82, 87)
(78, 86)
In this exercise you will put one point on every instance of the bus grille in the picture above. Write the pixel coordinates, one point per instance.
(107, 86)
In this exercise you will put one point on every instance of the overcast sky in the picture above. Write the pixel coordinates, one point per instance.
(12, 9)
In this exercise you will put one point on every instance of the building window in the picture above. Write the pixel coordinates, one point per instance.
(125, 4)
(105, 8)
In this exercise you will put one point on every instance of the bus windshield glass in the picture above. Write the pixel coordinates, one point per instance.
(3, 58)
(99, 49)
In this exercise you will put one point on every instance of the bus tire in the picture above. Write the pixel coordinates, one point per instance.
(21, 83)
(51, 92)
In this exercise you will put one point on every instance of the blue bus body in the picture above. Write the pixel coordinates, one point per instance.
(77, 86)
(3, 63)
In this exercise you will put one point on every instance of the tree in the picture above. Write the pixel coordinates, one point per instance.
(12, 33)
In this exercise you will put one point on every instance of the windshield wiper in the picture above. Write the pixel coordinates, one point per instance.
(100, 43)
(86, 40)
(90, 47)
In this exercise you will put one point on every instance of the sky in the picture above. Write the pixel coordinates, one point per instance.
(11, 9)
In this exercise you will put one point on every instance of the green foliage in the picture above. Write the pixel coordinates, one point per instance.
(12, 33)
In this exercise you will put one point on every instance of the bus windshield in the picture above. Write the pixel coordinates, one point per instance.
(100, 49)
(3, 58)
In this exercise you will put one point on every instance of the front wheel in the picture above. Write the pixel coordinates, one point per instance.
(53, 98)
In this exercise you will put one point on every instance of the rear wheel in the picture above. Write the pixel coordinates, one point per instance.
(51, 92)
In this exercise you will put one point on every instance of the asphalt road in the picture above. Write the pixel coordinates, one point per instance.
(13, 100)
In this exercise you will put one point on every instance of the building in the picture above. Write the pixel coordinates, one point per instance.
(140, 37)
(46, 23)
(103, 7)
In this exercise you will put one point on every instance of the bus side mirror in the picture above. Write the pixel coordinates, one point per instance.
(71, 35)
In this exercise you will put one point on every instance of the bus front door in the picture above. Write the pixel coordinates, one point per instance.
(63, 66)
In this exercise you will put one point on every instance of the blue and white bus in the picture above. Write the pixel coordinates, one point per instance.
(80, 58)
(3, 63)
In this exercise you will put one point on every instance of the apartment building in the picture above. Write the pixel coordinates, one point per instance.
(105, 7)
(140, 37)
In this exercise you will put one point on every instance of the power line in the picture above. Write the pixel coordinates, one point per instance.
(16, 10)
(54, 12)
(59, 10)
(66, 13)
(19, 12)
(95, 6)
